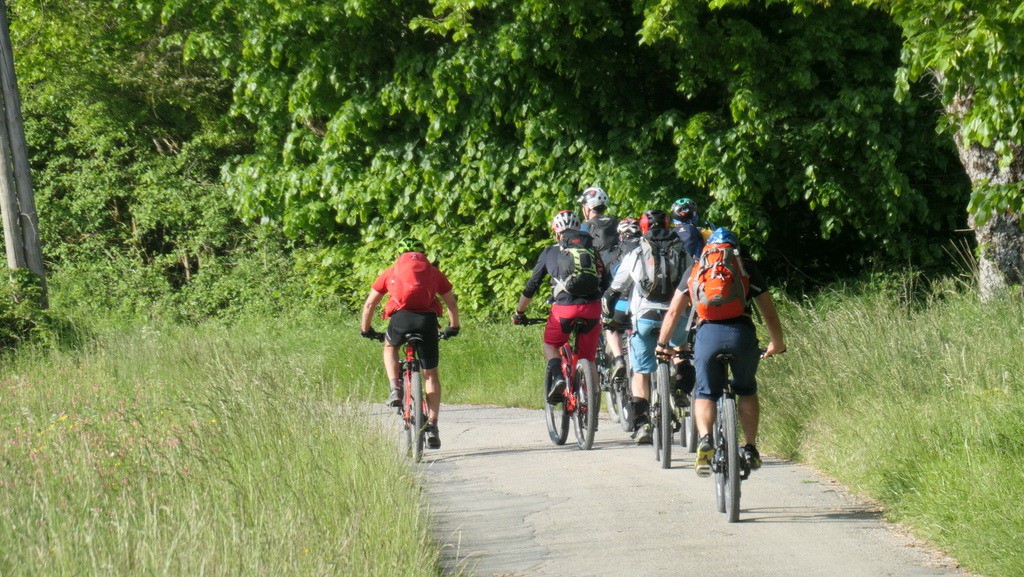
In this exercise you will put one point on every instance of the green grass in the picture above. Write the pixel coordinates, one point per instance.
(230, 450)
(916, 405)
(214, 451)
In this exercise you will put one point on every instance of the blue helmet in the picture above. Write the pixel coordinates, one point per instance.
(723, 235)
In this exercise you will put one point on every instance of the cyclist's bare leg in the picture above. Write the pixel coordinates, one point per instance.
(704, 411)
(641, 386)
(550, 352)
(432, 386)
(391, 362)
(614, 340)
(750, 412)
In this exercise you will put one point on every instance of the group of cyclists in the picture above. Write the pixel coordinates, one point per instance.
(632, 278)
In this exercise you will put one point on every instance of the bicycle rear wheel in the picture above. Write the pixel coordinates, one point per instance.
(732, 461)
(588, 405)
(663, 432)
(418, 418)
(555, 416)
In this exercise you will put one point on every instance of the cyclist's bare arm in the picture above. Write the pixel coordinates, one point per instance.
(766, 305)
(676, 308)
(452, 307)
(372, 300)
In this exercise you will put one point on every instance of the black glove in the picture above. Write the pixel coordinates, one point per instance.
(370, 334)
(519, 318)
(449, 332)
(663, 351)
(608, 302)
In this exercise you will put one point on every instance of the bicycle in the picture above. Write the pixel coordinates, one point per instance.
(728, 468)
(671, 410)
(413, 409)
(616, 393)
(582, 404)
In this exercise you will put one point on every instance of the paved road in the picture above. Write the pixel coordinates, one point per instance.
(506, 502)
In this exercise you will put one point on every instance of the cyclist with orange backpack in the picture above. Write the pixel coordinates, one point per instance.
(413, 307)
(723, 286)
(578, 278)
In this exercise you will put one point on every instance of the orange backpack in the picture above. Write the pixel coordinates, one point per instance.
(718, 282)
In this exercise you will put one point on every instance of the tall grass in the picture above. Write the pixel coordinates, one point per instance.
(229, 450)
(915, 402)
(211, 451)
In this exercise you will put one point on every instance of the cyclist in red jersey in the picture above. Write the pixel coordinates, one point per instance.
(570, 299)
(413, 307)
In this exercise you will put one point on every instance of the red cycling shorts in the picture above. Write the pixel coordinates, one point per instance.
(556, 332)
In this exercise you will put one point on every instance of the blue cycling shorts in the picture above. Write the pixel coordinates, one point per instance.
(737, 338)
(644, 340)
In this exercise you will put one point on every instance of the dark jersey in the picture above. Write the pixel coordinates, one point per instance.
(547, 265)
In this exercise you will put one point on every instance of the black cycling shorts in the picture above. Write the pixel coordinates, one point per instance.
(423, 324)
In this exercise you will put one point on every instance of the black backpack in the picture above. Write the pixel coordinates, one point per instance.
(663, 265)
(577, 272)
(603, 229)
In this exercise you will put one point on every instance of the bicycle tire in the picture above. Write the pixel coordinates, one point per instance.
(654, 414)
(688, 432)
(418, 418)
(717, 464)
(732, 485)
(588, 405)
(664, 382)
(405, 412)
(555, 416)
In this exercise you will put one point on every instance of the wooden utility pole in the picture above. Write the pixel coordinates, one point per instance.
(21, 223)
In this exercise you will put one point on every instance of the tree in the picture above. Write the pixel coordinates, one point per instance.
(471, 123)
(974, 53)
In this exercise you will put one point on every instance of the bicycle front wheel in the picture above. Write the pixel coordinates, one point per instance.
(418, 418)
(732, 459)
(588, 405)
(555, 416)
(688, 431)
(664, 433)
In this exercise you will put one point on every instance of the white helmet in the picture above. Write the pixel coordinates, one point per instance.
(563, 220)
(593, 197)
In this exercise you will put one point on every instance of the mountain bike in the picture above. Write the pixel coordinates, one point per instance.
(413, 409)
(728, 468)
(688, 432)
(671, 410)
(582, 401)
(616, 393)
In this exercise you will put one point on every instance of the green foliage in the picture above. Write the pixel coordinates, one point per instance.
(22, 319)
(974, 52)
(470, 123)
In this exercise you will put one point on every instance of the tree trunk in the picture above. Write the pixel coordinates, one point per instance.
(1001, 237)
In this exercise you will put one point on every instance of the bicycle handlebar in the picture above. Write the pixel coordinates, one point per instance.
(528, 322)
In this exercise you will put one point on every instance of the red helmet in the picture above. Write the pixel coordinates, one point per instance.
(654, 219)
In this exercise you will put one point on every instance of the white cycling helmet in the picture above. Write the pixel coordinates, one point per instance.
(563, 220)
(593, 197)
(628, 228)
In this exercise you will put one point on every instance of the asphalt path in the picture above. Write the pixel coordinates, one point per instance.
(506, 502)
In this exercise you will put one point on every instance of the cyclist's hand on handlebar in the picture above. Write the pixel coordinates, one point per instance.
(372, 335)
(519, 318)
(664, 351)
(449, 332)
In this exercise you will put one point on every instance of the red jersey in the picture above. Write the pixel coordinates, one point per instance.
(413, 285)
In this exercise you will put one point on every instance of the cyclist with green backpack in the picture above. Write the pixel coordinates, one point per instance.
(649, 274)
(578, 277)
(723, 285)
